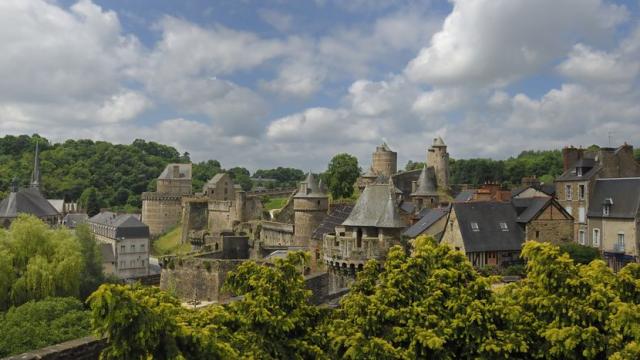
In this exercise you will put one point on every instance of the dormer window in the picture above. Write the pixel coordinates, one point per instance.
(579, 171)
(606, 206)
(503, 226)
(474, 226)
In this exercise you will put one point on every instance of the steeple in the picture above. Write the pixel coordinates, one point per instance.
(35, 176)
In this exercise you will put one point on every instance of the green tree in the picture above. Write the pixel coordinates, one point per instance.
(37, 324)
(93, 276)
(89, 200)
(579, 253)
(38, 262)
(341, 175)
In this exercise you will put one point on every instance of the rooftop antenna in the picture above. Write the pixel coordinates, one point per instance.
(610, 136)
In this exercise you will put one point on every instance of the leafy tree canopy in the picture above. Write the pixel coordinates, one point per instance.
(341, 175)
(37, 262)
(37, 324)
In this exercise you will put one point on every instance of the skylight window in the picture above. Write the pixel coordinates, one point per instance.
(474, 226)
(503, 226)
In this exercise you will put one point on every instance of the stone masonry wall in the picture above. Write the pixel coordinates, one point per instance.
(86, 348)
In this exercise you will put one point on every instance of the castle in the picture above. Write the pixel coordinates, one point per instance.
(162, 209)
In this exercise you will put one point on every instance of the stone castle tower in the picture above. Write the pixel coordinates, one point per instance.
(438, 158)
(424, 193)
(310, 206)
(384, 161)
(162, 209)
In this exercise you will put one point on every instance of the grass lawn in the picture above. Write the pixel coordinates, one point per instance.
(276, 203)
(169, 243)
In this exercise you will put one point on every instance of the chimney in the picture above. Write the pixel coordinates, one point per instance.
(414, 186)
(569, 157)
(176, 171)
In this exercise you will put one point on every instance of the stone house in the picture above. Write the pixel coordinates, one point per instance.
(574, 188)
(543, 219)
(614, 220)
(162, 209)
(129, 241)
(487, 232)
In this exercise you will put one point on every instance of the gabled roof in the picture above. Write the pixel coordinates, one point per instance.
(430, 218)
(623, 192)
(58, 204)
(489, 237)
(376, 207)
(426, 185)
(337, 215)
(528, 208)
(26, 201)
(184, 172)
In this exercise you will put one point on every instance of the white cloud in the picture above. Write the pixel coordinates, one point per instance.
(298, 78)
(493, 42)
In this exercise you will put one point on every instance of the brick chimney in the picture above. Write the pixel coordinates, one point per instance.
(570, 155)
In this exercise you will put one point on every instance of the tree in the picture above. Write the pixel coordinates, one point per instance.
(89, 200)
(38, 262)
(37, 324)
(579, 253)
(341, 175)
(93, 275)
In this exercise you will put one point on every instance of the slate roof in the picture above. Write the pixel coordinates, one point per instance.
(425, 185)
(107, 253)
(430, 218)
(337, 215)
(73, 220)
(623, 192)
(407, 206)
(126, 225)
(489, 237)
(26, 201)
(184, 172)
(58, 204)
(313, 188)
(528, 208)
(438, 142)
(464, 196)
(376, 207)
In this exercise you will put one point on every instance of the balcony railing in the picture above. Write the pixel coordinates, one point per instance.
(618, 248)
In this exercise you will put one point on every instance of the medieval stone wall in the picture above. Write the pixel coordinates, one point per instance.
(86, 348)
(161, 212)
(276, 234)
(308, 214)
(384, 162)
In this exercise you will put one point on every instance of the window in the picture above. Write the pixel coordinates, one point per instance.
(581, 214)
(567, 192)
(581, 191)
(596, 238)
(579, 171)
(474, 226)
(620, 243)
(503, 226)
(537, 234)
(141, 247)
(142, 262)
(359, 242)
(581, 237)
(605, 210)
(122, 248)
(133, 247)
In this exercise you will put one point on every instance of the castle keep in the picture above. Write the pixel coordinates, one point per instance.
(162, 209)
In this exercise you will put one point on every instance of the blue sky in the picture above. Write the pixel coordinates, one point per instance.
(291, 83)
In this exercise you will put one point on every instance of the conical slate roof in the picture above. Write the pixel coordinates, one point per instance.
(426, 185)
(376, 207)
(310, 188)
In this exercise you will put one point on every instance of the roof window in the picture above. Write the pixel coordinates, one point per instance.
(503, 226)
(474, 226)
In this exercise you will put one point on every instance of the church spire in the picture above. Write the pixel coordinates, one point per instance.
(35, 176)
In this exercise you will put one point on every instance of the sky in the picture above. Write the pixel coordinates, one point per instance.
(262, 84)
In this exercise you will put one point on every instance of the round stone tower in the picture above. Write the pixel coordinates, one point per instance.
(384, 161)
(438, 158)
(310, 206)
